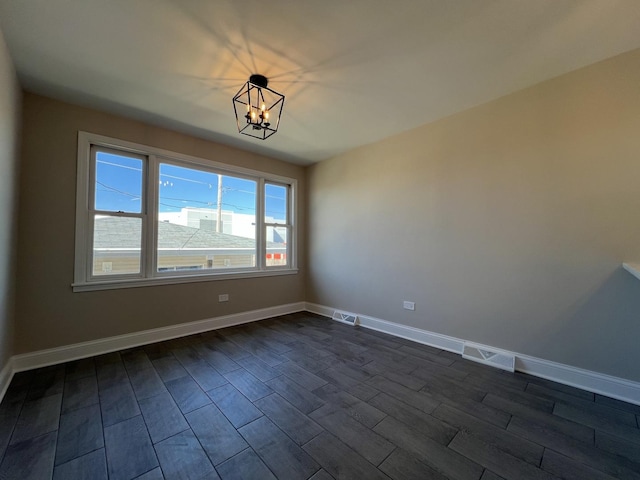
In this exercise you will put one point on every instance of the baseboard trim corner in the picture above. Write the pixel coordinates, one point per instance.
(67, 353)
(607, 385)
(6, 375)
(425, 337)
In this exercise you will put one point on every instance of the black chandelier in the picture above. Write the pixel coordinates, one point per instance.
(258, 108)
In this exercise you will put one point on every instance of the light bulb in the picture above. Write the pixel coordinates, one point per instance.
(253, 115)
(263, 107)
(266, 114)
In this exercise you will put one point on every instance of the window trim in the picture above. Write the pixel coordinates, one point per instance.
(288, 222)
(83, 279)
(94, 149)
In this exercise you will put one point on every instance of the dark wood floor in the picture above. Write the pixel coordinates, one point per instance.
(301, 397)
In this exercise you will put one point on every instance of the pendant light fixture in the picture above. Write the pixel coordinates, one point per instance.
(258, 108)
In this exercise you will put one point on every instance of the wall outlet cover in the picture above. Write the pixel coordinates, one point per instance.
(409, 305)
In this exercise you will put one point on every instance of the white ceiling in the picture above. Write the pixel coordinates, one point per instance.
(353, 71)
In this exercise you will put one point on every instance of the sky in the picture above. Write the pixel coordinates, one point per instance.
(119, 188)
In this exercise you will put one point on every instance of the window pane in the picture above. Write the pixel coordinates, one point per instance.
(116, 245)
(275, 202)
(207, 220)
(118, 183)
(277, 246)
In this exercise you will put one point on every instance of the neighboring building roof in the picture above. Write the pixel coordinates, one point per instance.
(124, 232)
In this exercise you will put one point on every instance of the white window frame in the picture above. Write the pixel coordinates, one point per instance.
(288, 222)
(91, 213)
(149, 275)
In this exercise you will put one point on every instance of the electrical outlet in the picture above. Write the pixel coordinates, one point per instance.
(409, 305)
(223, 297)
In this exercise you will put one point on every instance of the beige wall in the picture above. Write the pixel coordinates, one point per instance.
(49, 314)
(506, 224)
(10, 97)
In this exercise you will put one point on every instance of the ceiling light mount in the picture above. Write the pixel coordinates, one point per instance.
(258, 108)
(259, 80)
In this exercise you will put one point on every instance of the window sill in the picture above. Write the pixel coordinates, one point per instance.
(150, 282)
(633, 269)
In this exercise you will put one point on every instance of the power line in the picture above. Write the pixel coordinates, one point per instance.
(175, 177)
(119, 165)
(137, 197)
(108, 187)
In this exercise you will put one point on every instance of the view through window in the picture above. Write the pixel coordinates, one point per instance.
(206, 220)
(151, 216)
(117, 223)
(276, 224)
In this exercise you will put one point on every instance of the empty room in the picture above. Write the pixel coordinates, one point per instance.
(320, 240)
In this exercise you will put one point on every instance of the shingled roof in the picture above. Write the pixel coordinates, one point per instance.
(124, 232)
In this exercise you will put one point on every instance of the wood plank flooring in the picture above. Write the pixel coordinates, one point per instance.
(303, 397)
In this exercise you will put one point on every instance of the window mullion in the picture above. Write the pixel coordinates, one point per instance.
(292, 236)
(261, 244)
(150, 246)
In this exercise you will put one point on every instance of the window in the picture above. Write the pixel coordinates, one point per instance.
(146, 216)
(207, 220)
(116, 212)
(277, 224)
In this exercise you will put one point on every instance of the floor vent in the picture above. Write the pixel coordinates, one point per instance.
(345, 317)
(498, 359)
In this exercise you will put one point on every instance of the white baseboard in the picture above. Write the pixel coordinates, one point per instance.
(425, 337)
(610, 386)
(607, 385)
(53, 356)
(614, 387)
(6, 375)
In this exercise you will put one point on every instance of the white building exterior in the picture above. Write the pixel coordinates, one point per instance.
(233, 223)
